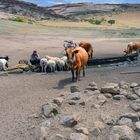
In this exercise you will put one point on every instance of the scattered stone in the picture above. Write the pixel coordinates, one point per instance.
(92, 84)
(135, 106)
(124, 92)
(92, 88)
(74, 89)
(107, 119)
(70, 121)
(94, 92)
(132, 96)
(118, 97)
(137, 91)
(83, 103)
(133, 85)
(137, 101)
(99, 125)
(57, 137)
(95, 131)
(75, 98)
(96, 106)
(82, 130)
(46, 123)
(78, 136)
(126, 121)
(58, 101)
(121, 133)
(112, 88)
(133, 116)
(49, 109)
(72, 102)
(137, 125)
(101, 99)
(123, 85)
(108, 95)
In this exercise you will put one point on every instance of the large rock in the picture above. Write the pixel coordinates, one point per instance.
(49, 109)
(133, 85)
(123, 85)
(126, 121)
(101, 99)
(58, 101)
(92, 86)
(135, 106)
(137, 91)
(70, 121)
(98, 126)
(112, 88)
(122, 133)
(137, 125)
(74, 89)
(82, 130)
(78, 136)
(133, 116)
(119, 97)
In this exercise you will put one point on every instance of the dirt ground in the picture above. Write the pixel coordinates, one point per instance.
(22, 95)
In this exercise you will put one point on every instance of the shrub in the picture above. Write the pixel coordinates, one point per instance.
(111, 21)
(95, 21)
(18, 19)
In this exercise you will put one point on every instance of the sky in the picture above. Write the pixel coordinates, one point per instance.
(54, 2)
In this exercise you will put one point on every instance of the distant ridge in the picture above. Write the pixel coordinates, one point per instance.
(90, 8)
(27, 9)
(62, 11)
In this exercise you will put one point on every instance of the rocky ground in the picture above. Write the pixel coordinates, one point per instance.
(49, 106)
(107, 113)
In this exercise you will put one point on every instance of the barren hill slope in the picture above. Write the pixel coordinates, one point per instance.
(26, 9)
(90, 8)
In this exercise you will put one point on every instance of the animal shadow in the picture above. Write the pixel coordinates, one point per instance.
(62, 83)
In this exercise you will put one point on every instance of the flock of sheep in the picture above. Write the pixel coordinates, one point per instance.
(52, 64)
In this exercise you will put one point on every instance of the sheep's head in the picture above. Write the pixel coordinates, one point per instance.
(7, 58)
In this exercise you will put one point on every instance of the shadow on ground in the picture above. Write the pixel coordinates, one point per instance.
(62, 83)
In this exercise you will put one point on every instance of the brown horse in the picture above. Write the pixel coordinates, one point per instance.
(88, 47)
(76, 60)
(132, 46)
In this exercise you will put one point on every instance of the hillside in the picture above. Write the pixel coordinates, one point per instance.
(90, 8)
(26, 9)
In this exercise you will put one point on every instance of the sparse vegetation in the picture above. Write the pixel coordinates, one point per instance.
(18, 19)
(22, 19)
(96, 21)
(111, 21)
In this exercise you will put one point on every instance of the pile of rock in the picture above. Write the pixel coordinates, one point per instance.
(111, 112)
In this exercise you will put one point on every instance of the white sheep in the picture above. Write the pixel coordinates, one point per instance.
(43, 64)
(47, 64)
(3, 64)
(60, 62)
(52, 65)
